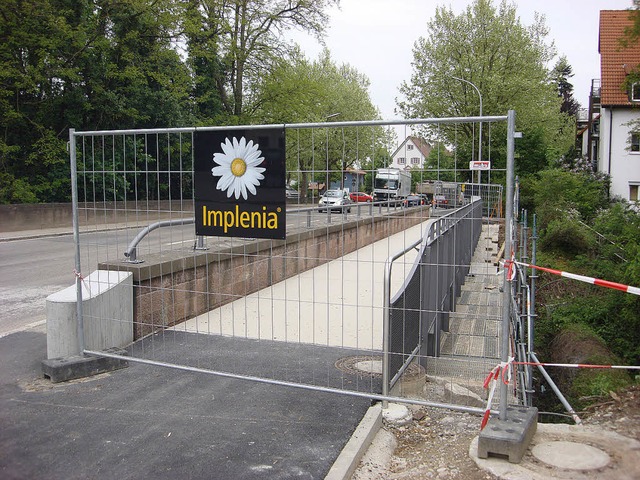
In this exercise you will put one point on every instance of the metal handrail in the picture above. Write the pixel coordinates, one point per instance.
(437, 228)
(132, 250)
(131, 253)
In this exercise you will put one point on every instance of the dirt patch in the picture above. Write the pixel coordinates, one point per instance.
(436, 444)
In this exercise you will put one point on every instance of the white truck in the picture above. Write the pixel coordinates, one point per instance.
(391, 184)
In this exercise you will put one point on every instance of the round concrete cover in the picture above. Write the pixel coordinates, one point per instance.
(370, 366)
(571, 455)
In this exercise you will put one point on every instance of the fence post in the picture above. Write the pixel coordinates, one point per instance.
(506, 303)
(76, 238)
(532, 316)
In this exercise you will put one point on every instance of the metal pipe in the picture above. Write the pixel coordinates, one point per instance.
(387, 315)
(556, 390)
(362, 123)
(405, 365)
(504, 354)
(533, 276)
(131, 252)
(315, 388)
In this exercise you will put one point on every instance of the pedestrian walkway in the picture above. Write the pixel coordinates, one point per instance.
(338, 304)
(471, 346)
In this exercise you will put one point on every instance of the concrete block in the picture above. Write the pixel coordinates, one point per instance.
(79, 366)
(107, 304)
(510, 437)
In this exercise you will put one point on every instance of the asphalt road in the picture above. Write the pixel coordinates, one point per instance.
(33, 268)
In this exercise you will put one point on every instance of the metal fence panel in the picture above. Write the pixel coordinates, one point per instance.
(319, 291)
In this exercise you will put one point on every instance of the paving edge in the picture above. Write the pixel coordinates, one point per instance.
(350, 456)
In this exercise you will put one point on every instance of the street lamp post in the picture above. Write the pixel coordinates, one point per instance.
(480, 133)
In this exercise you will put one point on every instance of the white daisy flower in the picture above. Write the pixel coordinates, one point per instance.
(238, 167)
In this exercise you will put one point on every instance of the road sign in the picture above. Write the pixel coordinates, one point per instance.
(480, 165)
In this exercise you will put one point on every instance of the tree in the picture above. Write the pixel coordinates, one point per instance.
(297, 90)
(504, 59)
(85, 64)
(249, 39)
(561, 74)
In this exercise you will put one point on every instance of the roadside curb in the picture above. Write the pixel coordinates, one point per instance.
(31, 236)
(350, 456)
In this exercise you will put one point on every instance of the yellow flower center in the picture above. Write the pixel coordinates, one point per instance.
(238, 167)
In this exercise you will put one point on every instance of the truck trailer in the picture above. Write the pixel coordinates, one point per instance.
(391, 184)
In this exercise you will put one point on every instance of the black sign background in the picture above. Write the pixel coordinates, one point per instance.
(270, 193)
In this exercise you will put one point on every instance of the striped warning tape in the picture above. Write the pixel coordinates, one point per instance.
(503, 371)
(582, 278)
(578, 365)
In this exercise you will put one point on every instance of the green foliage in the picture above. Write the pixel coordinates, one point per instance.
(100, 64)
(555, 191)
(567, 235)
(299, 90)
(608, 249)
(505, 60)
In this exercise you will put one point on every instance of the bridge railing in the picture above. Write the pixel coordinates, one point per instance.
(419, 312)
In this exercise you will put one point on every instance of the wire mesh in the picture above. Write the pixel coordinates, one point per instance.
(307, 309)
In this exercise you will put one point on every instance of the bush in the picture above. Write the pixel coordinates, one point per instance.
(569, 236)
(578, 343)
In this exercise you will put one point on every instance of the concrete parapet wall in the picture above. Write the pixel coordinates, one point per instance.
(29, 216)
(172, 287)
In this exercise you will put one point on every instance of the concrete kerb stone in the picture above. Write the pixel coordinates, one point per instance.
(350, 456)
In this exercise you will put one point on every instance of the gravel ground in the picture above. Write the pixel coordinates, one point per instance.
(436, 443)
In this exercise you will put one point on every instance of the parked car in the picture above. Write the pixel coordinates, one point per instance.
(292, 193)
(335, 200)
(357, 197)
(412, 201)
(425, 199)
(440, 201)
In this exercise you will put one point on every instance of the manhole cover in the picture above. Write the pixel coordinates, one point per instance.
(571, 455)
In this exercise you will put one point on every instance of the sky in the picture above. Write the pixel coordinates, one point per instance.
(377, 37)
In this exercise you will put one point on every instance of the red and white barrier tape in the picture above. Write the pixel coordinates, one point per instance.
(578, 365)
(581, 278)
(502, 371)
(81, 277)
(504, 368)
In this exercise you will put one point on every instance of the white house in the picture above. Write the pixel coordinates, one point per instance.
(619, 145)
(412, 153)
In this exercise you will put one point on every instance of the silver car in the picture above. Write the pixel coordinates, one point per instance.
(335, 200)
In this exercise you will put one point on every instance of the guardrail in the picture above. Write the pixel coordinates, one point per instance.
(434, 281)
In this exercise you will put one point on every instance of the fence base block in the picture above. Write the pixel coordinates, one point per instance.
(77, 366)
(510, 437)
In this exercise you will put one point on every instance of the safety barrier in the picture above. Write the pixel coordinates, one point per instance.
(318, 290)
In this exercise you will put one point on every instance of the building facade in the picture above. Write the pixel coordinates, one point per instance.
(615, 122)
(411, 154)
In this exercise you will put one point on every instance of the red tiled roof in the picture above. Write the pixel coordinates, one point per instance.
(421, 145)
(615, 61)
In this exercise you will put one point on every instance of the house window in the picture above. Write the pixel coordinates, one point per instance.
(401, 160)
(635, 92)
(415, 160)
(635, 142)
(409, 147)
(633, 193)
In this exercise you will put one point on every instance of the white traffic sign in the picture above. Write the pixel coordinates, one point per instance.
(480, 165)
